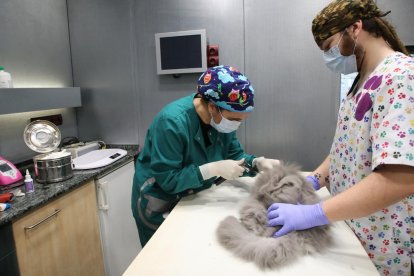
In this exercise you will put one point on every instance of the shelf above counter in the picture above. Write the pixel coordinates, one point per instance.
(16, 100)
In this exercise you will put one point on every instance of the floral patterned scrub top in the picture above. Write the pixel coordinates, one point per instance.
(376, 126)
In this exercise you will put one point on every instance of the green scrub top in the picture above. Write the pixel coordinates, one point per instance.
(167, 168)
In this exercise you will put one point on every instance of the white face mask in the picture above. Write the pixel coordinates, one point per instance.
(339, 63)
(225, 125)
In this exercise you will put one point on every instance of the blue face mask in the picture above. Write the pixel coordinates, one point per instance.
(339, 63)
(225, 125)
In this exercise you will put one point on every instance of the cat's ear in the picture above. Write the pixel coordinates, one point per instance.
(262, 191)
(291, 181)
(261, 197)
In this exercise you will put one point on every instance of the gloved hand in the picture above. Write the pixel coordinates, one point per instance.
(228, 169)
(314, 181)
(295, 217)
(264, 164)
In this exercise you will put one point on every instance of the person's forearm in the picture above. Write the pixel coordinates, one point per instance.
(322, 172)
(378, 190)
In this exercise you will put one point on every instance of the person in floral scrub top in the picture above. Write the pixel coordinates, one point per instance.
(370, 168)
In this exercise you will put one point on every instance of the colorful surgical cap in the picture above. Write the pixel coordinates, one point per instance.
(227, 88)
(339, 14)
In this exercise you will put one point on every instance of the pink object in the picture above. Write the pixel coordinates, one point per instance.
(8, 172)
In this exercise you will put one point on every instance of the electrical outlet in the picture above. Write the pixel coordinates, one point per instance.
(212, 55)
(55, 119)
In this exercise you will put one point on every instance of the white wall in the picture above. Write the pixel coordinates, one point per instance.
(401, 17)
(297, 97)
(35, 49)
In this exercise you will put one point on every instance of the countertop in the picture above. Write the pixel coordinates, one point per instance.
(186, 245)
(44, 193)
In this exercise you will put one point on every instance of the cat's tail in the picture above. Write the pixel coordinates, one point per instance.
(266, 252)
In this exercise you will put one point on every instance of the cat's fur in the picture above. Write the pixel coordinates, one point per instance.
(251, 239)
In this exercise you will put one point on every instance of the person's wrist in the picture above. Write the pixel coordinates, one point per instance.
(207, 171)
(314, 181)
(321, 218)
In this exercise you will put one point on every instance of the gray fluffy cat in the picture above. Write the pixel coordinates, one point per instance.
(251, 239)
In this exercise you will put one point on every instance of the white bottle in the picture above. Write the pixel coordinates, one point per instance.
(5, 79)
(28, 183)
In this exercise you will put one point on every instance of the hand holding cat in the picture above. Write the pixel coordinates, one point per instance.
(264, 164)
(228, 169)
(314, 181)
(295, 217)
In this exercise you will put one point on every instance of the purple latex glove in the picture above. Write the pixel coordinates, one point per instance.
(295, 217)
(315, 182)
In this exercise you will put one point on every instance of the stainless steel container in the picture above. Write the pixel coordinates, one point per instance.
(50, 169)
(51, 166)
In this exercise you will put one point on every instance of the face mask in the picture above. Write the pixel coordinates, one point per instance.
(339, 63)
(225, 125)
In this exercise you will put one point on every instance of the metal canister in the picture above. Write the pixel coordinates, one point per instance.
(51, 166)
(54, 169)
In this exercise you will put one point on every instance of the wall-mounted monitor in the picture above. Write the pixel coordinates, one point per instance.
(181, 52)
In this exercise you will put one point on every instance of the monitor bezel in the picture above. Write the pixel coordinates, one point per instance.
(203, 67)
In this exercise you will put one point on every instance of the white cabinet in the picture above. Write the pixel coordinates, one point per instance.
(119, 233)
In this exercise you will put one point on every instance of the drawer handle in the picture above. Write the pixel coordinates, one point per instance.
(102, 199)
(43, 220)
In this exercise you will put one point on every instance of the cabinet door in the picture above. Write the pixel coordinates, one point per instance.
(62, 237)
(119, 233)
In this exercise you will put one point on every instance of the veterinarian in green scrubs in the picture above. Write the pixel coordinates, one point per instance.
(190, 143)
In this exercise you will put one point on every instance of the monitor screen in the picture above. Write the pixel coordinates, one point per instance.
(410, 49)
(181, 52)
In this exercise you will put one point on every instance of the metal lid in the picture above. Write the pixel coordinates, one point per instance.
(42, 136)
